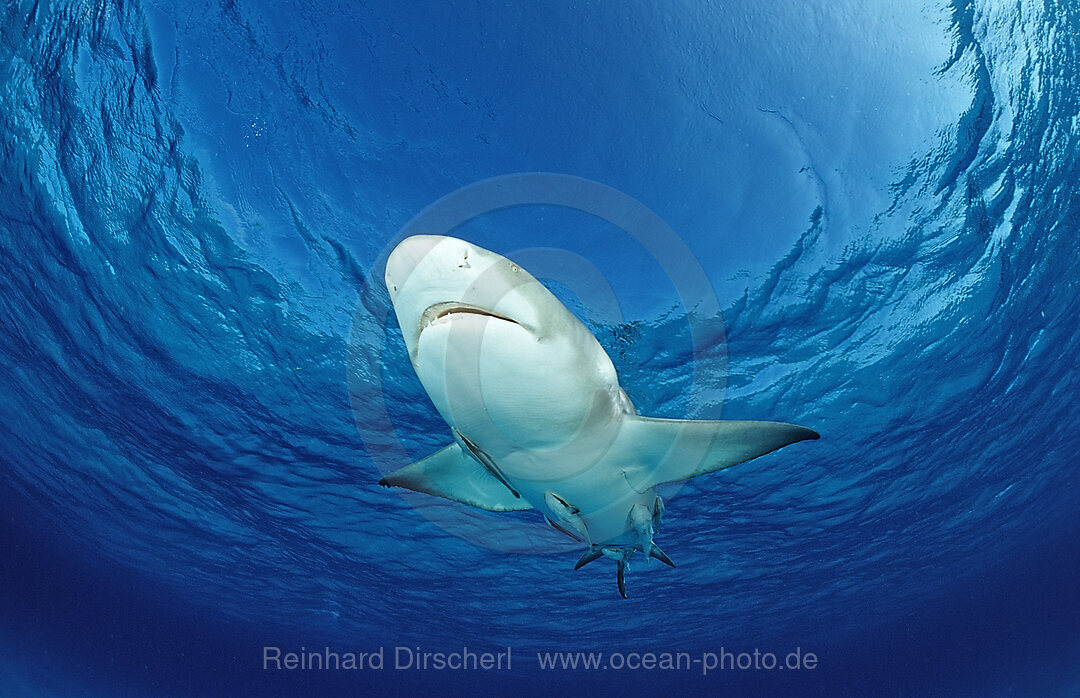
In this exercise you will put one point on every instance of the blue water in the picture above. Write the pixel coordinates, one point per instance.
(200, 392)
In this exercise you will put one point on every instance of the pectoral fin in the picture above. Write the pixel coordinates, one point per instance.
(483, 459)
(452, 474)
(654, 451)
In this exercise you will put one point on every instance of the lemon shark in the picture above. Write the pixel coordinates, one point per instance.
(534, 405)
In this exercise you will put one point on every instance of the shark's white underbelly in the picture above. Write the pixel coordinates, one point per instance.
(601, 495)
(535, 408)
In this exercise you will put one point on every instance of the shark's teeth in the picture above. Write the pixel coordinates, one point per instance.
(439, 311)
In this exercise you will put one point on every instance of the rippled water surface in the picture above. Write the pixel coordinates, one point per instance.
(202, 383)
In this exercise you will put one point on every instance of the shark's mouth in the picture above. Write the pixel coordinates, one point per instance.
(443, 312)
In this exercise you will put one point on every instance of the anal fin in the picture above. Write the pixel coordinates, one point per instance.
(657, 553)
(593, 553)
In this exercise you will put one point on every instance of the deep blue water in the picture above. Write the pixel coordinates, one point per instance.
(200, 389)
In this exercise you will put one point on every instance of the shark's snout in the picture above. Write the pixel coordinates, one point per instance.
(429, 251)
(405, 258)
